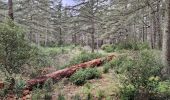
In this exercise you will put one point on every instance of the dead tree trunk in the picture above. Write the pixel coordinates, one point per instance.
(67, 72)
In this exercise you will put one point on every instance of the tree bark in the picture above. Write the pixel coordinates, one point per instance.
(67, 72)
(166, 42)
(10, 8)
(92, 37)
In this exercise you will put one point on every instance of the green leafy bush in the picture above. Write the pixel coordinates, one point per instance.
(128, 92)
(164, 87)
(141, 70)
(80, 77)
(92, 73)
(15, 50)
(40, 58)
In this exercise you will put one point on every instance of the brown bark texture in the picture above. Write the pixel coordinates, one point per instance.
(166, 42)
(67, 72)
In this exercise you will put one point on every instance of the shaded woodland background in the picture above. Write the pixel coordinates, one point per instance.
(89, 23)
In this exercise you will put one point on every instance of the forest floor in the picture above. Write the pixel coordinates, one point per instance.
(107, 85)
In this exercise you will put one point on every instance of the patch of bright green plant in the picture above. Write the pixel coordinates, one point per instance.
(81, 76)
(128, 92)
(113, 64)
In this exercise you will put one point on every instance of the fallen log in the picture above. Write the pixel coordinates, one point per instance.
(67, 72)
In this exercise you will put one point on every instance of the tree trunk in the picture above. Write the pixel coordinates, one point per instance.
(92, 37)
(159, 32)
(10, 8)
(60, 37)
(166, 42)
(67, 71)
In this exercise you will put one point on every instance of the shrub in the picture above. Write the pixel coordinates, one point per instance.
(80, 77)
(84, 57)
(92, 73)
(142, 70)
(15, 51)
(127, 92)
(40, 58)
(143, 46)
(163, 88)
(117, 64)
(108, 48)
(127, 45)
(19, 86)
(106, 68)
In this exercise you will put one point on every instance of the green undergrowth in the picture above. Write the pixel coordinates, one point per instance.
(81, 58)
(81, 76)
(126, 45)
(43, 56)
(140, 73)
